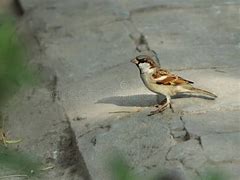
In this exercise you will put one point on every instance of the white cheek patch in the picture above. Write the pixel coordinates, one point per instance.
(145, 67)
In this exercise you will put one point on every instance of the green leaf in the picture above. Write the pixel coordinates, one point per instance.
(19, 161)
(14, 72)
(120, 169)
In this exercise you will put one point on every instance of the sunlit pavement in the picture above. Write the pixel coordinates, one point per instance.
(88, 46)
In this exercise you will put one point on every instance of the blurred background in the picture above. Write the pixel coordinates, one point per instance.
(72, 106)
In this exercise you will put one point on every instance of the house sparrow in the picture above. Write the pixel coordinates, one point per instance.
(163, 82)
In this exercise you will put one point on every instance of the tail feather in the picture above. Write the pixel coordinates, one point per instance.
(201, 91)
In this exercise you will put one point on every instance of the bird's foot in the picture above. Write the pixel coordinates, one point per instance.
(159, 110)
(161, 107)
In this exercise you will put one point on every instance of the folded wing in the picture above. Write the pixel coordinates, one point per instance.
(166, 78)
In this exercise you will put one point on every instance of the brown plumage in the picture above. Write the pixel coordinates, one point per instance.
(161, 81)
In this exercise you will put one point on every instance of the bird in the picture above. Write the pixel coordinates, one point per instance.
(161, 81)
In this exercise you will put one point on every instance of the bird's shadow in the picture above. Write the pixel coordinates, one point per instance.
(142, 100)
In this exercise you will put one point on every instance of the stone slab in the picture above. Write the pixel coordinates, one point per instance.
(186, 36)
(89, 47)
(226, 170)
(221, 81)
(189, 153)
(212, 123)
(131, 136)
(224, 147)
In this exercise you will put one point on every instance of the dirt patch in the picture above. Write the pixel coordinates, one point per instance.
(69, 155)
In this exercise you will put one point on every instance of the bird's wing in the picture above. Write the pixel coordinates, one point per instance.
(164, 77)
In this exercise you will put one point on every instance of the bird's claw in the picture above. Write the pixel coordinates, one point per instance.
(161, 108)
(154, 112)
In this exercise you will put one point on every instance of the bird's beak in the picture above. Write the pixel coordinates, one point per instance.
(134, 61)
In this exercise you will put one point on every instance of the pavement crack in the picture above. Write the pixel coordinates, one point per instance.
(140, 41)
(54, 92)
(161, 7)
(187, 136)
(41, 48)
(190, 168)
(102, 127)
(199, 141)
(166, 156)
(137, 37)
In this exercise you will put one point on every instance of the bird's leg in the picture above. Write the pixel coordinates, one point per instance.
(163, 106)
(161, 103)
(170, 105)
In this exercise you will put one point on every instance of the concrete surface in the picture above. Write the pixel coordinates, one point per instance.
(88, 45)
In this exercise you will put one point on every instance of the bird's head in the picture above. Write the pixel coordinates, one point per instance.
(144, 63)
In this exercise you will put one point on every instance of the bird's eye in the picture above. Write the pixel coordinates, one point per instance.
(142, 60)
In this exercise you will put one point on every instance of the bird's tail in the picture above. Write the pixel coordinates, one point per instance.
(201, 91)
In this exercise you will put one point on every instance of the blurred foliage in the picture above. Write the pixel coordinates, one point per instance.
(14, 72)
(122, 171)
(22, 163)
(213, 174)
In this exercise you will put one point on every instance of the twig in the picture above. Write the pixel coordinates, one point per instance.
(13, 141)
(113, 112)
(47, 168)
